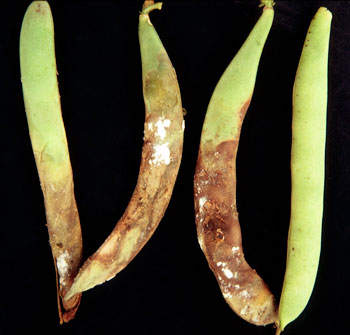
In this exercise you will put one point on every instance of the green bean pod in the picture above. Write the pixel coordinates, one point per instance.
(160, 162)
(218, 228)
(307, 170)
(49, 143)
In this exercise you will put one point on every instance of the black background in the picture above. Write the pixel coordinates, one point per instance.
(168, 288)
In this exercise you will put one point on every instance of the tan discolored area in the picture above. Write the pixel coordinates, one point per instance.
(65, 237)
(219, 233)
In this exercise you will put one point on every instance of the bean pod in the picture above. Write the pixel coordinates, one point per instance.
(307, 169)
(161, 157)
(49, 143)
(218, 228)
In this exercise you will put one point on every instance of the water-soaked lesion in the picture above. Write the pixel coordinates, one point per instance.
(161, 87)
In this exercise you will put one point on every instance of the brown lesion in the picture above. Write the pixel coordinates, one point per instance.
(65, 236)
(142, 215)
(151, 195)
(39, 8)
(244, 108)
(219, 233)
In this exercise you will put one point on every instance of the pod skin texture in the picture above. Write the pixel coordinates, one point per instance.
(49, 143)
(161, 156)
(218, 228)
(307, 168)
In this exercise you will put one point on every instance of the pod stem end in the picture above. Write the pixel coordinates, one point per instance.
(278, 330)
(267, 3)
(149, 5)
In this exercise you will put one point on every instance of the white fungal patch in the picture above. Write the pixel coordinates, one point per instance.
(244, 294)
(202, 202)
(62, 263)
(225, 288)
(235, 275)
(227, 294)
(183, 124)
(161, 125)
(201, 243)
(161, 154)
(150, 126)
(244, 310)
(255, 318)
(235, 249)
(228, 273)
(237, 286)
(221, 263)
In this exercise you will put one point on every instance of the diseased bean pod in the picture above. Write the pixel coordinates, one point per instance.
(49, 143)
(161, 157)
(307, 169)
(218, 228)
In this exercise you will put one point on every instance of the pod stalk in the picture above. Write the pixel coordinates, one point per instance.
(149, 6)
(267, 3)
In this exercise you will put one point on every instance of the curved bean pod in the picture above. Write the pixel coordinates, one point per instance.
(49, 143)
(307, 168)
(217, 222)
(161, 156)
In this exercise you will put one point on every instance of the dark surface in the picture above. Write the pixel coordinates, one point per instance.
(168, 288)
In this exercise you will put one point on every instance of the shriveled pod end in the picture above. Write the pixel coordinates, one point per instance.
(149, 5)
(70, 308)
(279, 330)
(67, 308)
(267, 3)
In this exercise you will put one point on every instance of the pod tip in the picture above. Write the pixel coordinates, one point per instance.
(39, 7)
(325, 11)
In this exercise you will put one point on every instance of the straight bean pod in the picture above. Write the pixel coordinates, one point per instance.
(307, 170)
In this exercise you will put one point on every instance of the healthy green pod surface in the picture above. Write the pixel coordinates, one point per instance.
(307, 169)
(160, 162)
(218, 228)
(49, 143)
